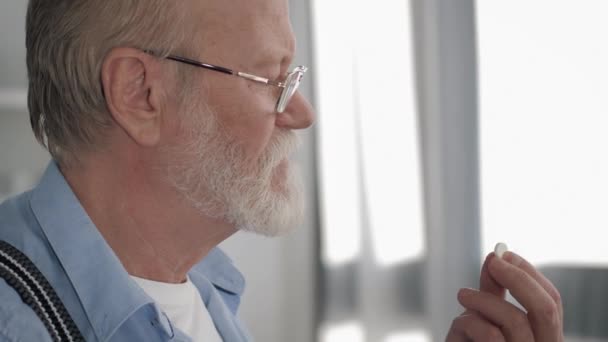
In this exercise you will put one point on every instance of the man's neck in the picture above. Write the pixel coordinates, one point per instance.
(153, 230)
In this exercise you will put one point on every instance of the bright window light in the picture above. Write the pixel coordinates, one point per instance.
(409, 336)
(543, 81)
(348, 331)
(389, 137)
(337, 129)
(368, 130)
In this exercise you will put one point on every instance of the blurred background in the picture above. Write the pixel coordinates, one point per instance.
(444, 126)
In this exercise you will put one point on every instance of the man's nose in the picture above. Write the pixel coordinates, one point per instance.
(298, 114)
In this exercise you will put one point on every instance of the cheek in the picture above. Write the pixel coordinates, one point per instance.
(252, 129)
(175, 129)
(246, 114)
(255, 137)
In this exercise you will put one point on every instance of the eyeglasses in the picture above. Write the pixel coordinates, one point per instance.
(289, 85)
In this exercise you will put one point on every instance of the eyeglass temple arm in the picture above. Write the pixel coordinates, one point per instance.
(226, 71)
(260, 79)
(202, 65)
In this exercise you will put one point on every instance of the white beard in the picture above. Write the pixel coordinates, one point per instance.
(211, 172)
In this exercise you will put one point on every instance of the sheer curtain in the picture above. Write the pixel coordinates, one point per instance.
(543, 75)
(373, 242)
(400, 151)
(395, 246)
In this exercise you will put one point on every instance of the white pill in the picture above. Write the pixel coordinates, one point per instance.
(500, 249)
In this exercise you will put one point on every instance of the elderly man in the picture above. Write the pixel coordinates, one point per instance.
(170, 124)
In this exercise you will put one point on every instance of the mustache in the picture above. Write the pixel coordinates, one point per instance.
(282, 146)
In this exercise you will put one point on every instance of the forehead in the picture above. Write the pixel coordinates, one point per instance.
(254, 28)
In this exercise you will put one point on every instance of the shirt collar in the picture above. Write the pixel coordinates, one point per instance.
(219, 269)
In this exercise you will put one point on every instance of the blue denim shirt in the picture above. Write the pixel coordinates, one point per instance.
(50, 226)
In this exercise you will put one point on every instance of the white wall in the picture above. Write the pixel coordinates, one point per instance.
(22, 160)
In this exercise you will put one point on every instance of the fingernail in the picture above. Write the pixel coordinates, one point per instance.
(465, 292)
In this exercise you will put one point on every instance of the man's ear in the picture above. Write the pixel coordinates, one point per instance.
(131, 81)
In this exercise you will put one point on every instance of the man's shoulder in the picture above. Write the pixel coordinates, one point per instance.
(14, 208)
(17, 221)
(20, 229)
(18, 322)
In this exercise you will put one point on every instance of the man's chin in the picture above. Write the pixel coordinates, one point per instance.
(279, 211)
(283, 221)
(269, 231)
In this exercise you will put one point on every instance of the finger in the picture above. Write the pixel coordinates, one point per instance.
(487, 283)
(512, 321)
(473, 327)
(518, 261)
(543, 312)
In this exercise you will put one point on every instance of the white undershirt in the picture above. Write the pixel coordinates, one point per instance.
(183, 305)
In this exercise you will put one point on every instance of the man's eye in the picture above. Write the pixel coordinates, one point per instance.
(280, 74)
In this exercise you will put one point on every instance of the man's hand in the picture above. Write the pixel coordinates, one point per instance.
(489, 317)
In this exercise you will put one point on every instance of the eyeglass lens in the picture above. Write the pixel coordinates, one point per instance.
(291, 86)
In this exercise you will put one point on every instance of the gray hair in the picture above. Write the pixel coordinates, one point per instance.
(67, 41)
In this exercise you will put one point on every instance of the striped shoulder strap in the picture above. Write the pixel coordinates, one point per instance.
(21, 274)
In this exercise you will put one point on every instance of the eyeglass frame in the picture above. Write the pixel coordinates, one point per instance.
(289, 85)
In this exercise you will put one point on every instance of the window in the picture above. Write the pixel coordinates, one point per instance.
(544, 167)
(544, 121)
(372, 230)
